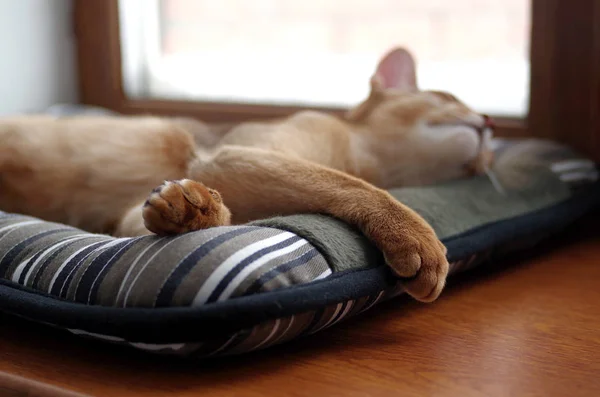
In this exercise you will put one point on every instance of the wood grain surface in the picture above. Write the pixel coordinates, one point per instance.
(531, 328)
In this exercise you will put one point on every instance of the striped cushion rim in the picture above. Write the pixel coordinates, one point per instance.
(187, 270)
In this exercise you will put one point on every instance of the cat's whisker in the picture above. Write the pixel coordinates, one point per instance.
(494, 180)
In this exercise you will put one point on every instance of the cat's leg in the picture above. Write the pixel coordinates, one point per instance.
(257, 183)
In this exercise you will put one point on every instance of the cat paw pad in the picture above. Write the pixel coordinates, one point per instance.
(183, 206)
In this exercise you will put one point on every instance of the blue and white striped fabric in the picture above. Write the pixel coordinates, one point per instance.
(276, 331)
(191, 269)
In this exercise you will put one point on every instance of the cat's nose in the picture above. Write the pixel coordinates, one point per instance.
(488, 122)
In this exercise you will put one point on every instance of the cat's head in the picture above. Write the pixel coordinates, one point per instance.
(423, 136)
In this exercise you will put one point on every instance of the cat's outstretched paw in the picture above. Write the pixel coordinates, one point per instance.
(413, 252)
(183, 206)
(422, 263)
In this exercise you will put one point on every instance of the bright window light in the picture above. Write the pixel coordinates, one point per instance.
(322, 52)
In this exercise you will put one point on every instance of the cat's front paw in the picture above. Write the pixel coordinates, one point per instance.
(421, 263)
(183, 206)
(414, 253)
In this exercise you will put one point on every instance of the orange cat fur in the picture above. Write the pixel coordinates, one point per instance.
(94, 172)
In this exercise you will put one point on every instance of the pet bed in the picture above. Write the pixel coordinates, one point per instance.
(231, 290)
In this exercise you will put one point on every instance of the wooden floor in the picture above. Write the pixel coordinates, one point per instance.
(531, 329)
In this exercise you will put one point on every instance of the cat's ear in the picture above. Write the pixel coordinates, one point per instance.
(395, 70)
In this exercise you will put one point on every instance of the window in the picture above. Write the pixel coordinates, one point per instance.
(322, 52)
(534, 64)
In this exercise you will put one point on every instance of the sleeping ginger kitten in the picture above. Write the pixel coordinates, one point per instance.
(95, 173)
